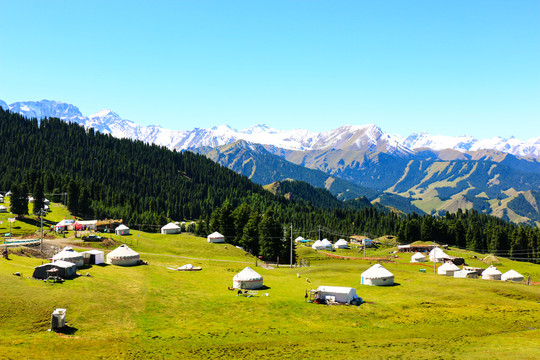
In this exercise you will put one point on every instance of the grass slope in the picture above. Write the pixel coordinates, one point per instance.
(151, 312)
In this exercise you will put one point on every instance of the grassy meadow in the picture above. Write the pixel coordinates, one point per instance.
(150, 312)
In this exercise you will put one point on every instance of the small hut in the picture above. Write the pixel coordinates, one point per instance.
(299, 239)
(418, 257)
(121, 230)
(512, 275)
(318, 245)
(70, 255)
(491, 273)
(60, 268)
(247, 279)
(327, 244)
(377, 275)
(1, 198)
(466, 274)
(123, 256)
(3, 209)
(437, 255)
(339, 294)
(447, 269)
(171, 228)
(215, 237)
(341, 244)
(93, 257)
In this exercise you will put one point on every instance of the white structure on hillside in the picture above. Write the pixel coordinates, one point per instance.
(327, 244)
(341, 244)
(512, 275)
(466, 274)
(437, 255)
(70, 255)
(318, 245)
(491, 273)
(121, 230)
(447, 269)
(123, 256)
(377, 275)
(93, 257)
(215, 237)
(418, 257)
(337, 294)
(247, 279)
(3, 209)
(171, 228)
(299, 239)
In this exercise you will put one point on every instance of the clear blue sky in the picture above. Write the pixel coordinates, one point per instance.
(446, 67)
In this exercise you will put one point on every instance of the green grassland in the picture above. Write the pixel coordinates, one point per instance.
(150, 312)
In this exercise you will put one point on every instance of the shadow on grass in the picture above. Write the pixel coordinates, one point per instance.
(67, 330)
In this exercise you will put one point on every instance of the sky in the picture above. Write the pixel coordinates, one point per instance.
(445, 67)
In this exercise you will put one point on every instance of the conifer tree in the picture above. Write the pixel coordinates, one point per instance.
(39, 196)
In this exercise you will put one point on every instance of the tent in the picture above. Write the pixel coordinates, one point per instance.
(437, 255)
(466, 274)
(189, 267)
(3, 209)
(215, 237)
(418, 257)
(327, 244)
(123, 256)
(171, 228)
(491, 273)
(512, 275)
(338, 294)
(377, 275)
(65, 270)
(66, 224)
(318, 245)
(68, 254)
(247, 279)
(447, 269)
(341, 244)
(121, 230)
(1, 198)
(299, 239)
(46, 201)
(93, 257)
(85, 225)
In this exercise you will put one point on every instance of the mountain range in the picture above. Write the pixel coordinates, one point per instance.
(421, 172)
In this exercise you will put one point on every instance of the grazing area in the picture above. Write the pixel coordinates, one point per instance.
(150, 311)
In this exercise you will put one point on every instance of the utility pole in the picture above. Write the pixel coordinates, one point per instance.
(319, 232)
(41, 238)
(364, 247)
(291, 246)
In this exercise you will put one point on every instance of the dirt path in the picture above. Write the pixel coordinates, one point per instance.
(200, 259)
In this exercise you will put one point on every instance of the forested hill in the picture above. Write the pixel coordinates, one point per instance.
(121, 178)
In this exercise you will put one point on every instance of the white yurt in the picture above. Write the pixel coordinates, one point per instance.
(215, 237)
(437, 255)
(3, 209)
(447, 269)
(46, 201)
(171, 228)
(338, 294)
(70, 255)
(377, 275)
(491, 273)
(247, 279)
(123, 256)
(93, 257)
(327, 244)
(418, 257)
(512, 275)
(466, 274)
(121, 230)
(1, 198)
(299, 239)
(341, 244)
(318, 245)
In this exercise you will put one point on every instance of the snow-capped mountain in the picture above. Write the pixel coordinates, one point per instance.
(362, 138)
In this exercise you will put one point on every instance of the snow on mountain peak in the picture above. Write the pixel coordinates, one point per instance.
(105, 113)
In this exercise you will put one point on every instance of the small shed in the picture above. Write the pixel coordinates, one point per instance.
(3, 209)
(418, 257)
(491, 273)
(512, 275)
(299, 239)
(339, 294)
(215, 237)
(80, 225)
(437, 255)
(318, 245)
(121, 230)
(447, 269)
(171, 228)
(66, 224)
(123, 256)
(247, 279)
(70, 255)
(377, 275)
(1, 198)
(93, 257)
(341, 244)
(367, 242)
(64, 269)
(466, 274)
(327, 244)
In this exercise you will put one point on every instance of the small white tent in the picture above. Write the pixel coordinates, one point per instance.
(377, 275)
(338, 294)
(466, 274)
(318, 245)
(123, 256)
(327, 244)
(1, 198)
(121, 230)
(3, 209)
(299, 239)
(418, 257)
(491, 273)
(447, 269)
(512, 275)
(171, 228)
(215, 237)
(247, 279)
(69, 255)
(93, 257)
(341, 244)
(437, 255)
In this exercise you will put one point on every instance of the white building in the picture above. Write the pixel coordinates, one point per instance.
(341, 244)
(215, 237)
(418, 257)
(123, 256)
(121, 230)
(377, 275)
(491, 273)
(318, 245)
(512, 275)
(171, 228)
(247, 279)
(437, 255)
(93, 257)
(69, 255)
(337, 294)
(447, 269)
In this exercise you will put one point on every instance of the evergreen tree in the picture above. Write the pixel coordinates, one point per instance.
(241, 217)
(39, 196)
(226, 222)
(270, 237)
(250, 236)
(19, 200)
(84, 202)
(73, 197)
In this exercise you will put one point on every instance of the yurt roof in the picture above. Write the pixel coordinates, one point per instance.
(67, 253)
(63, 264)
(122, 227)
(123, 251)
(171, 226)
(2, 207)
(448, 266)
(326, 242)
(248, 274)
(341, 242)
(93, 252)
(299, 238)
(318, 243)
(336, 289)
(377, 271)
(418, 256)
(512, 274)
(215, 234)
(491, 270)
(438, 252)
